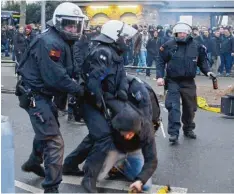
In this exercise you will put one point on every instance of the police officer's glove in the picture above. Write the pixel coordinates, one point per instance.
(211, 75)
(122, 95)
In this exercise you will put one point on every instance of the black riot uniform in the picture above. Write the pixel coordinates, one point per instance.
(46, 70)
(80, 52)
(182, 58)
(104, 74)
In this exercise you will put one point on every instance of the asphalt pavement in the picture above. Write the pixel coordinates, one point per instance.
(194, 166)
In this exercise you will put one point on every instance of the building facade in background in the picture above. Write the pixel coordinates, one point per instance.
(199, 12)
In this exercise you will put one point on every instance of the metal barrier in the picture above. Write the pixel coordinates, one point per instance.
(9, 61)
(8, 162)
(136, 67)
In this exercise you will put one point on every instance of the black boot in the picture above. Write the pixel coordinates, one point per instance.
(190, 134)
(92, 168)
(72, 171)
(173, 138)
(29, 166)
(51, 190)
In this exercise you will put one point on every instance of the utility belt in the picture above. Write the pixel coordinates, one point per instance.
(27, 96)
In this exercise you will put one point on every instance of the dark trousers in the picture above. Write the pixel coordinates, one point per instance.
(185, 90)
(100, 134)
(48, 143)
(226, 61)
(135, 60)
(61, 101)
(79, 155)
(149, 60)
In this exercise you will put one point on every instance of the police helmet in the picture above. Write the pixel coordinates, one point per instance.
(182, 27)
(68, 19)
(112, 30)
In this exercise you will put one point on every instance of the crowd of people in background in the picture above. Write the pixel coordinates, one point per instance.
(143, 49)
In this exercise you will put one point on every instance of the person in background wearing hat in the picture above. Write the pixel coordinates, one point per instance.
(29, 34)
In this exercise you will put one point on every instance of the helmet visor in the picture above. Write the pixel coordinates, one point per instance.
(73, 25)
(128, 31)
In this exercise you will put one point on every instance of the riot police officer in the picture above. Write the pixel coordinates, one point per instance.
(46, 70)
(104, 76)
(182, 56)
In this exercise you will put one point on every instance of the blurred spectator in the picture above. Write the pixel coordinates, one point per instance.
(152, 47)
(29, 34)
(227, 51)
(160, 31)
(168, 35)
(20, 43)
(143, 52)
(215, 50)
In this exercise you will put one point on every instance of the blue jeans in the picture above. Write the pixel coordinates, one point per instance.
(142, 60)
(226, 61)
(6, 48)
(132, 165)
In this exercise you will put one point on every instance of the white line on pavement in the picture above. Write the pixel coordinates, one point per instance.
(118, 185)
(27, 187)
(107, 184)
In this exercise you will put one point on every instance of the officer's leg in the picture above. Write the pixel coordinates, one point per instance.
(44, 119)
(189, 104)
(111, 160)
(100, 132)
(173, 106)
(77, 156)
(53, 156)
(33, 164)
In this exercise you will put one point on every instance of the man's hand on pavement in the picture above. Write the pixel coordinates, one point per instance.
(137, 185)
(160, 82)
